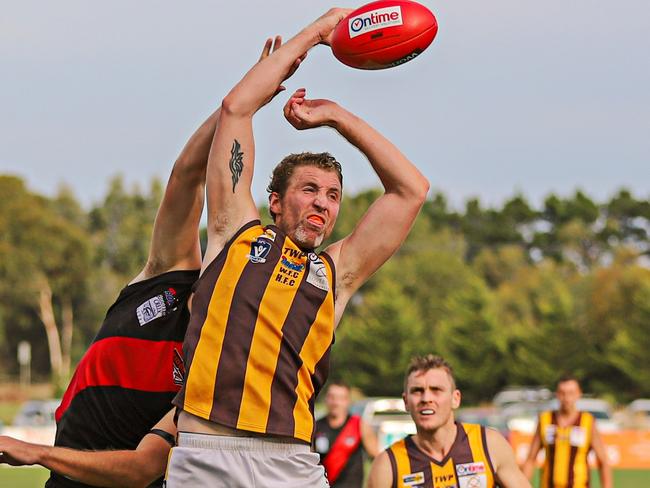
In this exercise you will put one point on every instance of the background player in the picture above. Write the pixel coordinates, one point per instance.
(125, 382)
(567, 435)
(265, 307)
(341, 439)
(443, 452)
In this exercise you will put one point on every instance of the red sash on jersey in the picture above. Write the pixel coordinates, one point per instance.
(340, 452)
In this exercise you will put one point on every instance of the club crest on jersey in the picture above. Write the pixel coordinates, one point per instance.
(472, 481)
(178, 368)
(260, 249)
(317, 272)
(413, 479)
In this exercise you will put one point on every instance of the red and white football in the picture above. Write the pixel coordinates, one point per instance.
(384, 34)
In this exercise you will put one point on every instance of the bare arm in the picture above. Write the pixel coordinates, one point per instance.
(505, 466)
(232, 156)
(137, 468)
(369, 440)
(381, 472)
(604, 468)
(175, 239)
(387, 222)
(536, 444)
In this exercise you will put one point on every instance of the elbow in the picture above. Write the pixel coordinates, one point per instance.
(419, 191)
(234, 106)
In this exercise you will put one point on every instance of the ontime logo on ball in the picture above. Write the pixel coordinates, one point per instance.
(374, 19)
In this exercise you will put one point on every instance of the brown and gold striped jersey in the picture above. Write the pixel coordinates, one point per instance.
(262, 324)
(467, 465)
(565, 465)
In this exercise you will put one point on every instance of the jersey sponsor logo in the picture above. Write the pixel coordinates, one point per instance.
(156, 307)
(577, 436)
(259, 250)
(470, 468)
(549, 434)
(317, 272)
(413, 479)
(473, 481)
(374, 20)
(178, 368)
(292, 264)
(150, 310)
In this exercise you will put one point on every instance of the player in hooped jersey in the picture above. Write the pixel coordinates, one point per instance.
(266, 305)
(125, 382)
(443, 453)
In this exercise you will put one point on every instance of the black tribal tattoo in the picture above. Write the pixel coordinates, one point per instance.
(236, 163)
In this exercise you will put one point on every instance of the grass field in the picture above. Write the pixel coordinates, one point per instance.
(32, 477)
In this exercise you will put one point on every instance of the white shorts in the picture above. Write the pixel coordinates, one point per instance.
(204, 460)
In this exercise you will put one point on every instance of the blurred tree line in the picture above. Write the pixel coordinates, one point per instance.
(513, 295)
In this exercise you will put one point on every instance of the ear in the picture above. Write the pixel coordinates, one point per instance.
(406, 407)
(455, 399)
(275, 204)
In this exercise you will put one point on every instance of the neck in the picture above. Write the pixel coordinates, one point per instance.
(336, 420)
(437, 443)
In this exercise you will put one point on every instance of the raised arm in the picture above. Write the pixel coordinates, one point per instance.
(175, 238)
(387, 222)
(137, 468)
(232, 156)
(508, 474)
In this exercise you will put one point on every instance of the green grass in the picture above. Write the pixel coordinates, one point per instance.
(34, 477)
(27, 477)
(623, 478)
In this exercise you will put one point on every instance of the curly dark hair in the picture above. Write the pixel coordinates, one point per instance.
(283, 171)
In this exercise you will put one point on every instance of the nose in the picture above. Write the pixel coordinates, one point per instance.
(320, 201)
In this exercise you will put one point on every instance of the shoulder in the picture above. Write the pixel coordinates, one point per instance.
(381, 472)
(497, 446)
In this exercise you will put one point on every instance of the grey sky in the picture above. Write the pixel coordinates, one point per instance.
(512, 95)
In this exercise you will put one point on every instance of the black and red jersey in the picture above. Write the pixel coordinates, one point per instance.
(125, 382)
(341, 451)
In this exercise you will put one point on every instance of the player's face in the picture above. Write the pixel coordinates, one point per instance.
(568, 393)
(337, 401)
(430, 398)
(308, 209)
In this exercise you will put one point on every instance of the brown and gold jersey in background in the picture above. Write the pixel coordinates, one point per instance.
(467, 465)
(566, 448)
(262, 324)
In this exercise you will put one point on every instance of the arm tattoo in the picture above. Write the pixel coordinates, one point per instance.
(236, 163)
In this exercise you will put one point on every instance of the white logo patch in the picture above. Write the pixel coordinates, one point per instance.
(317, 272)
(473, 481)
(374, 20)
(151, 310)
(577, 436)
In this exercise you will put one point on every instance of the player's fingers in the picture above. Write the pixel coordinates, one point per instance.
(277, 43)
(266, 49)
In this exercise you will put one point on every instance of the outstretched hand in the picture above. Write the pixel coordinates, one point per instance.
(328, 21)
(270, 46)
(307, 114)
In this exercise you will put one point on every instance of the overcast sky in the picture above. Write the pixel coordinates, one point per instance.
(512, 96)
